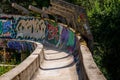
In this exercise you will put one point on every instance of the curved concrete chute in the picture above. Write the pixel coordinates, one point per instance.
(56, 51)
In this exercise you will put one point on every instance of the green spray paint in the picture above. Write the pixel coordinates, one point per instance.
(71, 39)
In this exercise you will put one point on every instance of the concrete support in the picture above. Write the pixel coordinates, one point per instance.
(23, 10)
(35, 9)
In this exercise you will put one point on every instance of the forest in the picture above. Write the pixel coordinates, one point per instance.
(104, 21)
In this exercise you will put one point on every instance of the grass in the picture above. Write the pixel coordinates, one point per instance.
(4, 69)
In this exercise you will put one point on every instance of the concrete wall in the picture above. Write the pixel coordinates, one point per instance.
(27, 68)
(91, 70)
(37, 29)
(49, 32)
(15, 51)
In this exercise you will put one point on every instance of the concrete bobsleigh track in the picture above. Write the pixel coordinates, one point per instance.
(59, 50)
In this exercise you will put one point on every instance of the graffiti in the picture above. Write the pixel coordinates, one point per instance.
(64, 36)
(7, 28)
(60, 32)
(20, 46)
(52, 32)
(37, 29)
(15, 51)
(7, 25)
(14, 45)
(67, 39)
(84, 27)
(70, 38)
(32, 28)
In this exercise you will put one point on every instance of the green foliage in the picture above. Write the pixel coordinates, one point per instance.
(4, 69)
(104, 20)
(43, 3)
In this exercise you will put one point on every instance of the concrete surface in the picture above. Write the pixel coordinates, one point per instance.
(58, 65)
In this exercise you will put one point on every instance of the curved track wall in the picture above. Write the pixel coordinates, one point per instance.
(42, 30)
(28, 67)
(13, 51)
(47, 32)
(38, 30)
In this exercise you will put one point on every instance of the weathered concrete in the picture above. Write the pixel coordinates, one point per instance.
(27, 68)
(90, 68)
(20, 9)
(57, 66)
(54, 64)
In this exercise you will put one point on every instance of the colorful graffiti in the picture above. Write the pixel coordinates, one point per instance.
(32, 28)
(14, 51)
(38, 29)
(6, 28)
(20, 46)
(52, 34)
